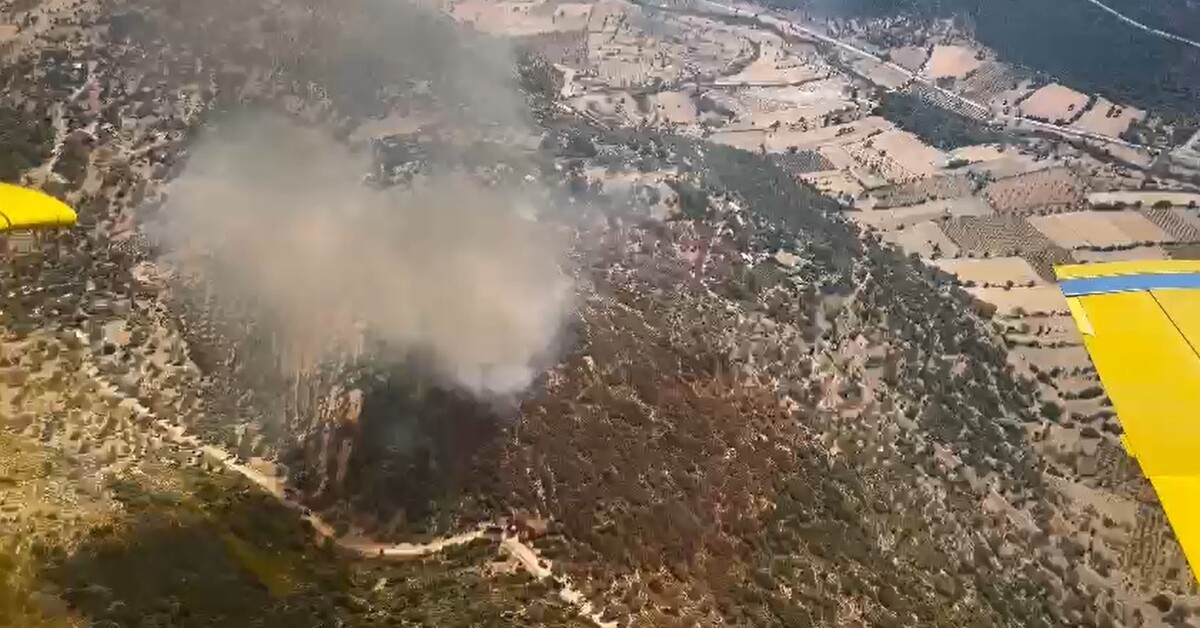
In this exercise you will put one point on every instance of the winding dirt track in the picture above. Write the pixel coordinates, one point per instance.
(512, 545)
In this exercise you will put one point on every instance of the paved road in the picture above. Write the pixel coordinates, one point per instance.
(1136, 24)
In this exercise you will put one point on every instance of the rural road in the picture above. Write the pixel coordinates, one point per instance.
(1136, 24)
(512, 545)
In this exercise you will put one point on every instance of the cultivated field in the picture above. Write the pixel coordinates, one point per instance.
(1018, 301)
(1098, 229)
(1123, 255)
(1181, 224)
(996, 271)
(926, 189)
(1107, 118)
(1047, 189)
(925, 239)
(897, 217)
(989, 81)
(952, 62)
(1054, 103)
(909, 152)
(1006, 236)
(911, 58)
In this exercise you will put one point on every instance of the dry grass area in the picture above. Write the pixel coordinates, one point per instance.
(900, 217)
(952, 62)
(1054, 103)
(911, 58)
(912, 158)
(783, 139)
(1108, 118)
(835, 184)
(881, 74)
(925, 239)
(1017, 301)
(978, 153)
(1046, 189)
(673, 108)
(1009, 163)
(794, 109)
(1098, 229)
(515, 18)
(1066, 358)
(947, 186)
(995, 271)
(1140, 253)
(772, 67)
(1183, 251)
(1049, 330)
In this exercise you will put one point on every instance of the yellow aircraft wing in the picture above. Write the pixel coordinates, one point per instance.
(23, 208)
(1141, 324)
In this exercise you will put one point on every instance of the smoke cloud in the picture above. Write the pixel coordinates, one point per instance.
(275, 214)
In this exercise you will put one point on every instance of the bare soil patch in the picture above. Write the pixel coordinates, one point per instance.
(1097, 229)
(1015, 301)
(924, 239)
(1108, 118)
(952, 61)
(1054, 103)
(995, 271)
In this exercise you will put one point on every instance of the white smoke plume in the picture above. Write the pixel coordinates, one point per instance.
(275, 213)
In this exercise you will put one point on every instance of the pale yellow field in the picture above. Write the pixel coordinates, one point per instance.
(995, 271)
(922, 238)
(1054, 102)
(1106, 118)
(1094, 228)
(1035, 300)
(897, 156)
(951, 61)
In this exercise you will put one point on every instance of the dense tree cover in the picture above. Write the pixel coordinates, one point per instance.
(26, 138)
(1073, 41)
(937, 126)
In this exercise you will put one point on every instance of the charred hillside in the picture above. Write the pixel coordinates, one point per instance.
(754, 413)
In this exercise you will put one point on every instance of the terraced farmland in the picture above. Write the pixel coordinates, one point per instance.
(920, 191)
(1047, 189)
(1181, 225)
(1006, 235)
(989, 81)
(804, 162)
